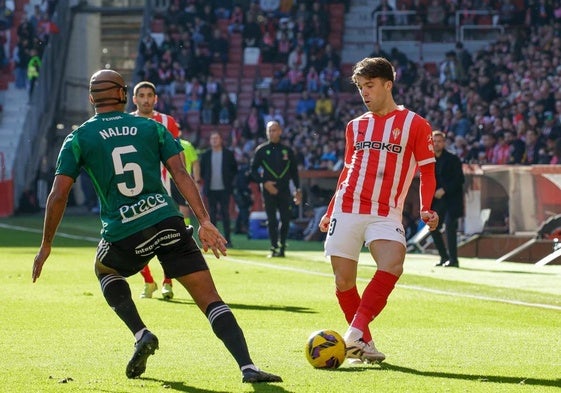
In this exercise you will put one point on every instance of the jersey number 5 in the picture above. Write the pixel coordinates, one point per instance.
(133, 167)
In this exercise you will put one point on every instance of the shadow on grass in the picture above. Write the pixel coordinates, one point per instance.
(180, 386)
(475, 377)
(254, 307)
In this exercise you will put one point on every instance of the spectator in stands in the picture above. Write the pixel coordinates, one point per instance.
(254, 125)
(283, 47)
(280, 82)
(377, 51)
(312, 80)
(556, 156)
(209, 110)
(252, 35)
(6, 16)
(148, 49)
(236, 22)
(533, 147)
(177, 85)
(222, 8)
(330, 54)
(33, 68)
(306, 104)
(227, 111)
(194, 93)
(324, 107)
(298, 59)
(381, 15)
(21, 58)
(218, 47)
(330, 78)
(165, 76)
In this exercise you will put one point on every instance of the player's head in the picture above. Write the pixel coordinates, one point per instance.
(438, 141)
(274, 131)
(108, 89)
(374, 67)
(145, 98)
(374, 78)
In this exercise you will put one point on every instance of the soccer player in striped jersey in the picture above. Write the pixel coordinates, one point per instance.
(122, 154)
(384, 148)
(145, 99)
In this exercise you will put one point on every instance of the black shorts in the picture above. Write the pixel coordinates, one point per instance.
(176, 195)
(169, 240)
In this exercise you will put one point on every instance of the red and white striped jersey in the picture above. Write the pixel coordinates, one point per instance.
(168, 121)
(381, 158)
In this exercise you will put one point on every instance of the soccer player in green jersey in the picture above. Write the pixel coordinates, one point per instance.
(122, 155)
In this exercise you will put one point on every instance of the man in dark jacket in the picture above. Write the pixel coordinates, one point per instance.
(448, 200)
(218, 171)
(274, 166)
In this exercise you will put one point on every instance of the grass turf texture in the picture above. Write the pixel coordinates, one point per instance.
(483, 328)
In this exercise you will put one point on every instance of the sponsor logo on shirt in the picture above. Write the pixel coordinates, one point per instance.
(142, 207)
(160, 239)
(376, 145)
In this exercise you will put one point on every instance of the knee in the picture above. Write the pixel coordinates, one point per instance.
(343, 283)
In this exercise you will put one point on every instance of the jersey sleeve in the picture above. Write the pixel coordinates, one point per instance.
(422, 147)
(69, 158)
(169, 146)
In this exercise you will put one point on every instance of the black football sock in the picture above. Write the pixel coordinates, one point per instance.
(226, 328)
(118, 295)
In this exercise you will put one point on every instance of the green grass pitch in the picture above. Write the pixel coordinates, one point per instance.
(486, 327)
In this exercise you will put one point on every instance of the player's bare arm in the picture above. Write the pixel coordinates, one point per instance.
(56, 204)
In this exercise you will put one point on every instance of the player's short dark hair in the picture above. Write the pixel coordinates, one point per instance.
(374, 67)
(144, 84)
(439, 133)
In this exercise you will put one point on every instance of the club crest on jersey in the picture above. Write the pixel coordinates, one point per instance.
(395, 133)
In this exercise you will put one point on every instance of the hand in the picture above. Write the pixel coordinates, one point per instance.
(297, 197)
(39, 261)
(212, 239)
(439, 193)
(271, 187)
(430, 218)
(324, 223)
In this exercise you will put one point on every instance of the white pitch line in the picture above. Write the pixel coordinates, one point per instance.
(40, 231)
(412, 287)
(310, 272)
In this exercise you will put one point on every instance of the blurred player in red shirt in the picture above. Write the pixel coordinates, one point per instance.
(145, 98)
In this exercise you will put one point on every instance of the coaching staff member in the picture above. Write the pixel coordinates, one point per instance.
(448, 200)
(273, 166)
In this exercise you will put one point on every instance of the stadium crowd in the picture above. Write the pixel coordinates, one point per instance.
(500, 105)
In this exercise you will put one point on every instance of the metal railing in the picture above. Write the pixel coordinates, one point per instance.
(463, 29)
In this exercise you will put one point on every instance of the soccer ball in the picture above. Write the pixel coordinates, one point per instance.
(325, 349)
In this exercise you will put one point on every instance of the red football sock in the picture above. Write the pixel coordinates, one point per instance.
(374, 298)
(349, 301)
(167, 280)
(148, 279)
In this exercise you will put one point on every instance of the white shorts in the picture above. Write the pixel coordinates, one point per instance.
(348, 232)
